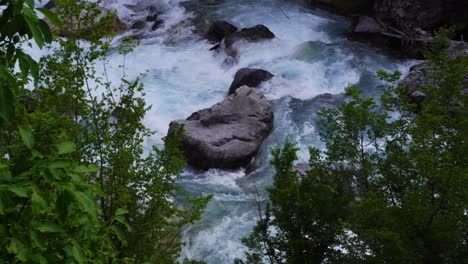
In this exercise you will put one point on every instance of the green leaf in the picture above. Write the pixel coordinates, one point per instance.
(30, 3)
(45, 30)
(23, 64)
(3, 166)
(66, 147)
(87, 203)
(58, 164)
(121, 211)
(49, 228)
(37, 154)
(86, 169)
(33, 24)
(27, 137)
(50, 15)
(19, 191)
(17, 248)
(38, 201)
(78, 254)
(34, 69)
(121, 219)
(2, 206)
(119, 234)
(36, 238)
(7, 100)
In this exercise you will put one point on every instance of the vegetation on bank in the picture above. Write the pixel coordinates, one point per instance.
(77, 187)
(391, 186)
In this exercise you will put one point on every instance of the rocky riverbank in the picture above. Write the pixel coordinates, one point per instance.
(403, 25)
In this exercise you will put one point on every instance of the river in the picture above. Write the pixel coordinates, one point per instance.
(309, 56)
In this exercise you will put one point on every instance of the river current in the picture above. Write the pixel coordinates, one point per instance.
(309, 56)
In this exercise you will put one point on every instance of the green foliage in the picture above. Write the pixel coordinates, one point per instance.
(18, 23)
(48, 211)
(84, 177)
(391, 186)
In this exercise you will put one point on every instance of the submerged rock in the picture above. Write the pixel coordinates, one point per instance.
(249, 77)
(253, 34)
(151, 18)
(157, 24)
(219, 30)
(229, 134)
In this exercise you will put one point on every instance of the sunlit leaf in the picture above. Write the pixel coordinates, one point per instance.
(50, 15)
(49, 228)
(18, 190)
(66, 147)
(78, 254)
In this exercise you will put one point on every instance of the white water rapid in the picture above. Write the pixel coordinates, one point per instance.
(309, 56)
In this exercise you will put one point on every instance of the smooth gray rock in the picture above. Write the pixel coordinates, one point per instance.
(249, 77)
(229, 134)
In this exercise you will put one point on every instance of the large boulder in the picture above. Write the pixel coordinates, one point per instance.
(252, 34)
(219, 30)
(249, 77)
(229, 134)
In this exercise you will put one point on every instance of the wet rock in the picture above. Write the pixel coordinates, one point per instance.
(219, 30)
(229, 134)
(152, 9)
(211, 2)
(307, 109)
(50, 5)
(151, 18)
(249, 77)
(345, 7)
(368, 25)
(253, 34)
(418, 97)
(157, 24)
(419, 75)
(202, 24)
(138, 25)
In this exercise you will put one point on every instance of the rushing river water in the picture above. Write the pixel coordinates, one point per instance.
(309, 56)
